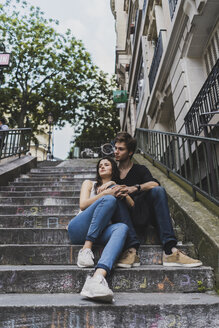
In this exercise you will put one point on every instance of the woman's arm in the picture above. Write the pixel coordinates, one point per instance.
(85, 199)
(130, 202)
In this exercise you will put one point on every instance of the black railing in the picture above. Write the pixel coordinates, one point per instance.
(194, 160)
(144, 5)
(205, 105)
(14, 142)
(172, 6)
(156, 60)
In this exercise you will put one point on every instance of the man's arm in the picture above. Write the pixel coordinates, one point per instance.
(125, 190)
(141, 180)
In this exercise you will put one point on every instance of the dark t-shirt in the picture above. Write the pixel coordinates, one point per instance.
(142, 211)
(138, 174)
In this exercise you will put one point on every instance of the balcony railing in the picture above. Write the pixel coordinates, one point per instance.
(205, 105)
(144, 5)
(14, 142)
(193, 159)
(172, 6)
(156, 60)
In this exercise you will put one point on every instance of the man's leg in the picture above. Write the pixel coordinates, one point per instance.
(157, 198)
(129, 258)
(122, 214)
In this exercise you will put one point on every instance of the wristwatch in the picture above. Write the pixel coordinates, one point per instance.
(138, 187)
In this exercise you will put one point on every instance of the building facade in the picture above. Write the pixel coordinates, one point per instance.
(166, 51)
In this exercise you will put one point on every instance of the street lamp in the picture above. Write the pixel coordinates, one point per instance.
(50, 121)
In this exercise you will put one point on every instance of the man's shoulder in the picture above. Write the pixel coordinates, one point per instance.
(139, 167)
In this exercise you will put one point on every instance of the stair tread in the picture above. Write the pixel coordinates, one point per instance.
(121, 299)
(72, 267)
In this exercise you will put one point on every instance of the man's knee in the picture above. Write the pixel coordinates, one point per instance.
(158, 192)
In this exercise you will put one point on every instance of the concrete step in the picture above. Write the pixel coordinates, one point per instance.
(38, 210)
(51, 233)
(47, 188)
(154, 310)
(70, 279)
(38, 194)
(59, 174)
(35, 221)
(64, 170)
(59, 184)
(67, 254)
(34, 236)
(55, 178)
(38, 201)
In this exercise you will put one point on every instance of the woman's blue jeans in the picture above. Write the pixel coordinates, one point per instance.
(93, 224)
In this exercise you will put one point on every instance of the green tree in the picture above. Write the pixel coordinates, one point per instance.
(49, 72)
(99, 118)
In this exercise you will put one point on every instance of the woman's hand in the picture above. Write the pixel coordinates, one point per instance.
(105, 186)
(111, 191)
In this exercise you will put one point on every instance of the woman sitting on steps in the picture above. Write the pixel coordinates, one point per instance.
(103, 220)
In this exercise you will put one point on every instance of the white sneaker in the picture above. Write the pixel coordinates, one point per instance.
(85, 258)
(97, 288)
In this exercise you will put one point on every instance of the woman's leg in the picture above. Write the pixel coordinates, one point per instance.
(89, 224)
(113, 237)
(96, 287)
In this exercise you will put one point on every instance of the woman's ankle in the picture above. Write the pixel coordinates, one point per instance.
(88, 244)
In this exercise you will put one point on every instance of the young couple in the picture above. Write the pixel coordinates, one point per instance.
(105, 218)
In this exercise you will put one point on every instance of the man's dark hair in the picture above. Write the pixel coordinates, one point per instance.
(2, 119)
(128, 140)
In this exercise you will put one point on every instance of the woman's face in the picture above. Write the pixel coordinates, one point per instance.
(105, 168)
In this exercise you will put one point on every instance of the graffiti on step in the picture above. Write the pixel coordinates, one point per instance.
(50, 222)
(69, 319)
(35, 210)
(187, 281)
(166, 281)
(168, 321)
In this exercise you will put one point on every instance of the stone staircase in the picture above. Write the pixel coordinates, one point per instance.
(40, 282)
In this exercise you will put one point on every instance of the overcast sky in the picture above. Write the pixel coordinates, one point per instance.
(92, 22)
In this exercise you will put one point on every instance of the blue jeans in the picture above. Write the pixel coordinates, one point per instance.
(93, 224)
(157, 201)
(122, 214)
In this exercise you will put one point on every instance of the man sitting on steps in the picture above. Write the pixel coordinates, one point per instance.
(151, 199)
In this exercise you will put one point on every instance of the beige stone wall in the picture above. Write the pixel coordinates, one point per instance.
(190, 49)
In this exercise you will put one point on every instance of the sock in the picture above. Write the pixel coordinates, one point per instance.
(168, 247)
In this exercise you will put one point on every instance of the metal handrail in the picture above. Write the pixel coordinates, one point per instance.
(14, 142)
(144, 5)
(206, 102)
(172, 6)
(195, 160)
(156, 60)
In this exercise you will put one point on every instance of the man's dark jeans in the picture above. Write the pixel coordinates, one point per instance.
(156, 212)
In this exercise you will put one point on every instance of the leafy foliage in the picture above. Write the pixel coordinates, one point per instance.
(49, 72)
(100, 116)
(52, 73)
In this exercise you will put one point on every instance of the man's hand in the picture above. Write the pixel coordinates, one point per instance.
(123, 191)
